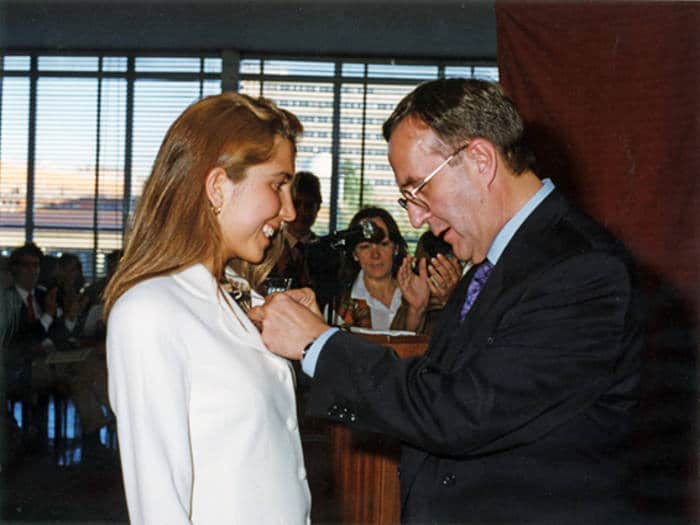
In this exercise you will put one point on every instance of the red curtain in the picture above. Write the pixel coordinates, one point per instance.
(609, 92)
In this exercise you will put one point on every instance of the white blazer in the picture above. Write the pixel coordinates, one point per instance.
(206, 416)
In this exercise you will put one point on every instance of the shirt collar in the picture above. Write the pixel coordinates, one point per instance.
(359, 290)
(506, 233)
(22, 293)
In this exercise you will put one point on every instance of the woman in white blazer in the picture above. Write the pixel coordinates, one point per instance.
(206, 417)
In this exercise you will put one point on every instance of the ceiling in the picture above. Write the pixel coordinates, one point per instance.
(399, 29)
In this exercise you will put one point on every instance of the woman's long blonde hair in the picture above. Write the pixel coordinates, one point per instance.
(174, 226)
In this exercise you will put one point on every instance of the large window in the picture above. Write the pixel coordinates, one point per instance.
(78, 135)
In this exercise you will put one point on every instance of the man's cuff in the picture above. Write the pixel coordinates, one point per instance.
(308, 364)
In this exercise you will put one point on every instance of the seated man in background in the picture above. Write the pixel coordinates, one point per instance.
(29, 312)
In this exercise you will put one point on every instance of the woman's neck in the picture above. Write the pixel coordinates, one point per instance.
(381, 289)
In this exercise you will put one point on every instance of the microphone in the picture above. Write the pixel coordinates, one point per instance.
(365, 230)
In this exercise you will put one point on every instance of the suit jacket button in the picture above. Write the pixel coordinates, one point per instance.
(449, 480)
(489, 341)
(352, 416)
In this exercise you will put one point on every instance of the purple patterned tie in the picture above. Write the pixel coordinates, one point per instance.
(475, 285)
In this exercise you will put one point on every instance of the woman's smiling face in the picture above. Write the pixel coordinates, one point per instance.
(376, 259)
(254, 208)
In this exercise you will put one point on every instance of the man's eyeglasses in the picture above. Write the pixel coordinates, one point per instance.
(411, 195)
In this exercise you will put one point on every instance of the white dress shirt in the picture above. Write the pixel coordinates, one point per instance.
(44, 318)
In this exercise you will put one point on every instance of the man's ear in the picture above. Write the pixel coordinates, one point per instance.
(214, 185)
(485, 157)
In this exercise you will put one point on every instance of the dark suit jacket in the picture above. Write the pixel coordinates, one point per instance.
(522, 413)
(24, 336)
(318, 271)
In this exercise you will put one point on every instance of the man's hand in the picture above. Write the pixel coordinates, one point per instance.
(306, 297)
(289, 321)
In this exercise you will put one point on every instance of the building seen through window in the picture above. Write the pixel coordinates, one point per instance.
(79, 134)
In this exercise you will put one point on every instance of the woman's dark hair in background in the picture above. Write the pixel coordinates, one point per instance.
(69, 272)
(350, 268)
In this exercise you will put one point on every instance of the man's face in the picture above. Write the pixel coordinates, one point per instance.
(456, 195)
(307, 210)
(26, 272)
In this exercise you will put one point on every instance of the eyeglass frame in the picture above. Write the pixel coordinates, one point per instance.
(409, 196)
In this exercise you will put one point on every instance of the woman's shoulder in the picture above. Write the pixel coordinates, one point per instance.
(147, 299)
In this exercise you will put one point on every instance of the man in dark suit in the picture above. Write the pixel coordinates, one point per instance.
(306, 258)
(28, 312)
(522, 407)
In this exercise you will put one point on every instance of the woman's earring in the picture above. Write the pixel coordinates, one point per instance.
(216, 210)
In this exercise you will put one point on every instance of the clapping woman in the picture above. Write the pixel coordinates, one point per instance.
(206, 416)
(372, 297)
(382, 291)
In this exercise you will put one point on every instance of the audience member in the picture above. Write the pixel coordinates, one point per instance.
(372, 297)
(293, 263)
(305, 259)
(94, 326)
(35, 328)
(5, 275)
(47, 270)
(29, 312)
(68, 281)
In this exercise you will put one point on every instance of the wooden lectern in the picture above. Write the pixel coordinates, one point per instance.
(365, 482)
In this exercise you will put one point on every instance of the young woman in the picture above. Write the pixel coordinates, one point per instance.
(206, 416)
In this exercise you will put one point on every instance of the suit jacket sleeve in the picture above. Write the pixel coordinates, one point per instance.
(549, 355)
(149, 393)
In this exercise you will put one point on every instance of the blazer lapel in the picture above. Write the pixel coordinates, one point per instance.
(238, 324)
(519, 260)
(220, 307)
